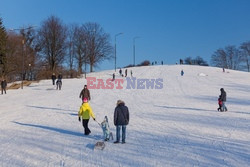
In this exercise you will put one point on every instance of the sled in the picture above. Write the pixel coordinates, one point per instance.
(100, 145)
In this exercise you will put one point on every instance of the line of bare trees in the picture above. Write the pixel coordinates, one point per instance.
(232, 57)
(53, 47)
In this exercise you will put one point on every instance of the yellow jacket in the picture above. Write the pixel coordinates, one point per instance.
(85, 111)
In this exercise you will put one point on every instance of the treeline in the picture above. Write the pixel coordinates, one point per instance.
(232, 57)
(194, 61)
(53, 47)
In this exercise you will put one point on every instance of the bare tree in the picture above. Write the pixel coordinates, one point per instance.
(29, 49)
(80, 47)
(188, 60)
(233, 57)
(229, 57)
(196, 61)
(71, 49)
(21, 54)
(98, 43)
(219, 58)
(51, 40)
(245, 48)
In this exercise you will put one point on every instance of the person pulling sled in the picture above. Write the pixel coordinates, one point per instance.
(85, 112)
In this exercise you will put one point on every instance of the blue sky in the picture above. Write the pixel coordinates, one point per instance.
(168, 29)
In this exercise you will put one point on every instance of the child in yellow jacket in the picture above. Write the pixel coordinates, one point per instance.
(85, 112)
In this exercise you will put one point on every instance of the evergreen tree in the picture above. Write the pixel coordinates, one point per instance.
(3, 41)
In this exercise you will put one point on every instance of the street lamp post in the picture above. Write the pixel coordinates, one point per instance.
(134, 48)
(115, 46)
(85, 61)
(30, 74)
(22, 62)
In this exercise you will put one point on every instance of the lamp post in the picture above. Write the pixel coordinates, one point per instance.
(30, 74)
(85, 61)
(134, 47)
(115, 46)
(22, 62)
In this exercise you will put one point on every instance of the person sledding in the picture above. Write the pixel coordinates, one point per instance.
(85, 113)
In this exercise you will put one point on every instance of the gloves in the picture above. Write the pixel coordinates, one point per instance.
(79, 118)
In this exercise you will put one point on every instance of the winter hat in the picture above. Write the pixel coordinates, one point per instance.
(120, 102)
(85, 100)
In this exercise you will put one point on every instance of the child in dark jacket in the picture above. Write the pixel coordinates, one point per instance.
(220, 103)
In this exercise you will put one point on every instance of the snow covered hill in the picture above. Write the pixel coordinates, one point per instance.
(174, 124)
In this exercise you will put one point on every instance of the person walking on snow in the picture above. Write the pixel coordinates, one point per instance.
(85, 93)
(58, 84)
(121, 120)
(126, 72)
(223, 98)
(53, 77)
(85, 112)
(120, 71)
(3, 86)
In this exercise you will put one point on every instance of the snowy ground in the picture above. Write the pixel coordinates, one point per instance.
(175, 126)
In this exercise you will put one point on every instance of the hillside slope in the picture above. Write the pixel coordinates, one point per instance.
(176, 125)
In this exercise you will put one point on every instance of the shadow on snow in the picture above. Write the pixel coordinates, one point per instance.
(49, 108)
(63, 131)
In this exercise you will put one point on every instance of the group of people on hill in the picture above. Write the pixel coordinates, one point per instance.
(121, 74)
(121, 117)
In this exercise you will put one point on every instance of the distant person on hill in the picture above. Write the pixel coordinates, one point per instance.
(182, 72)
(131, 73)
(85, 93)
(85, 112)
(121, 120)
(113, 78)
(120, 71)
(126, 72)
(53, 77)
(3, 85)
(223, 98)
